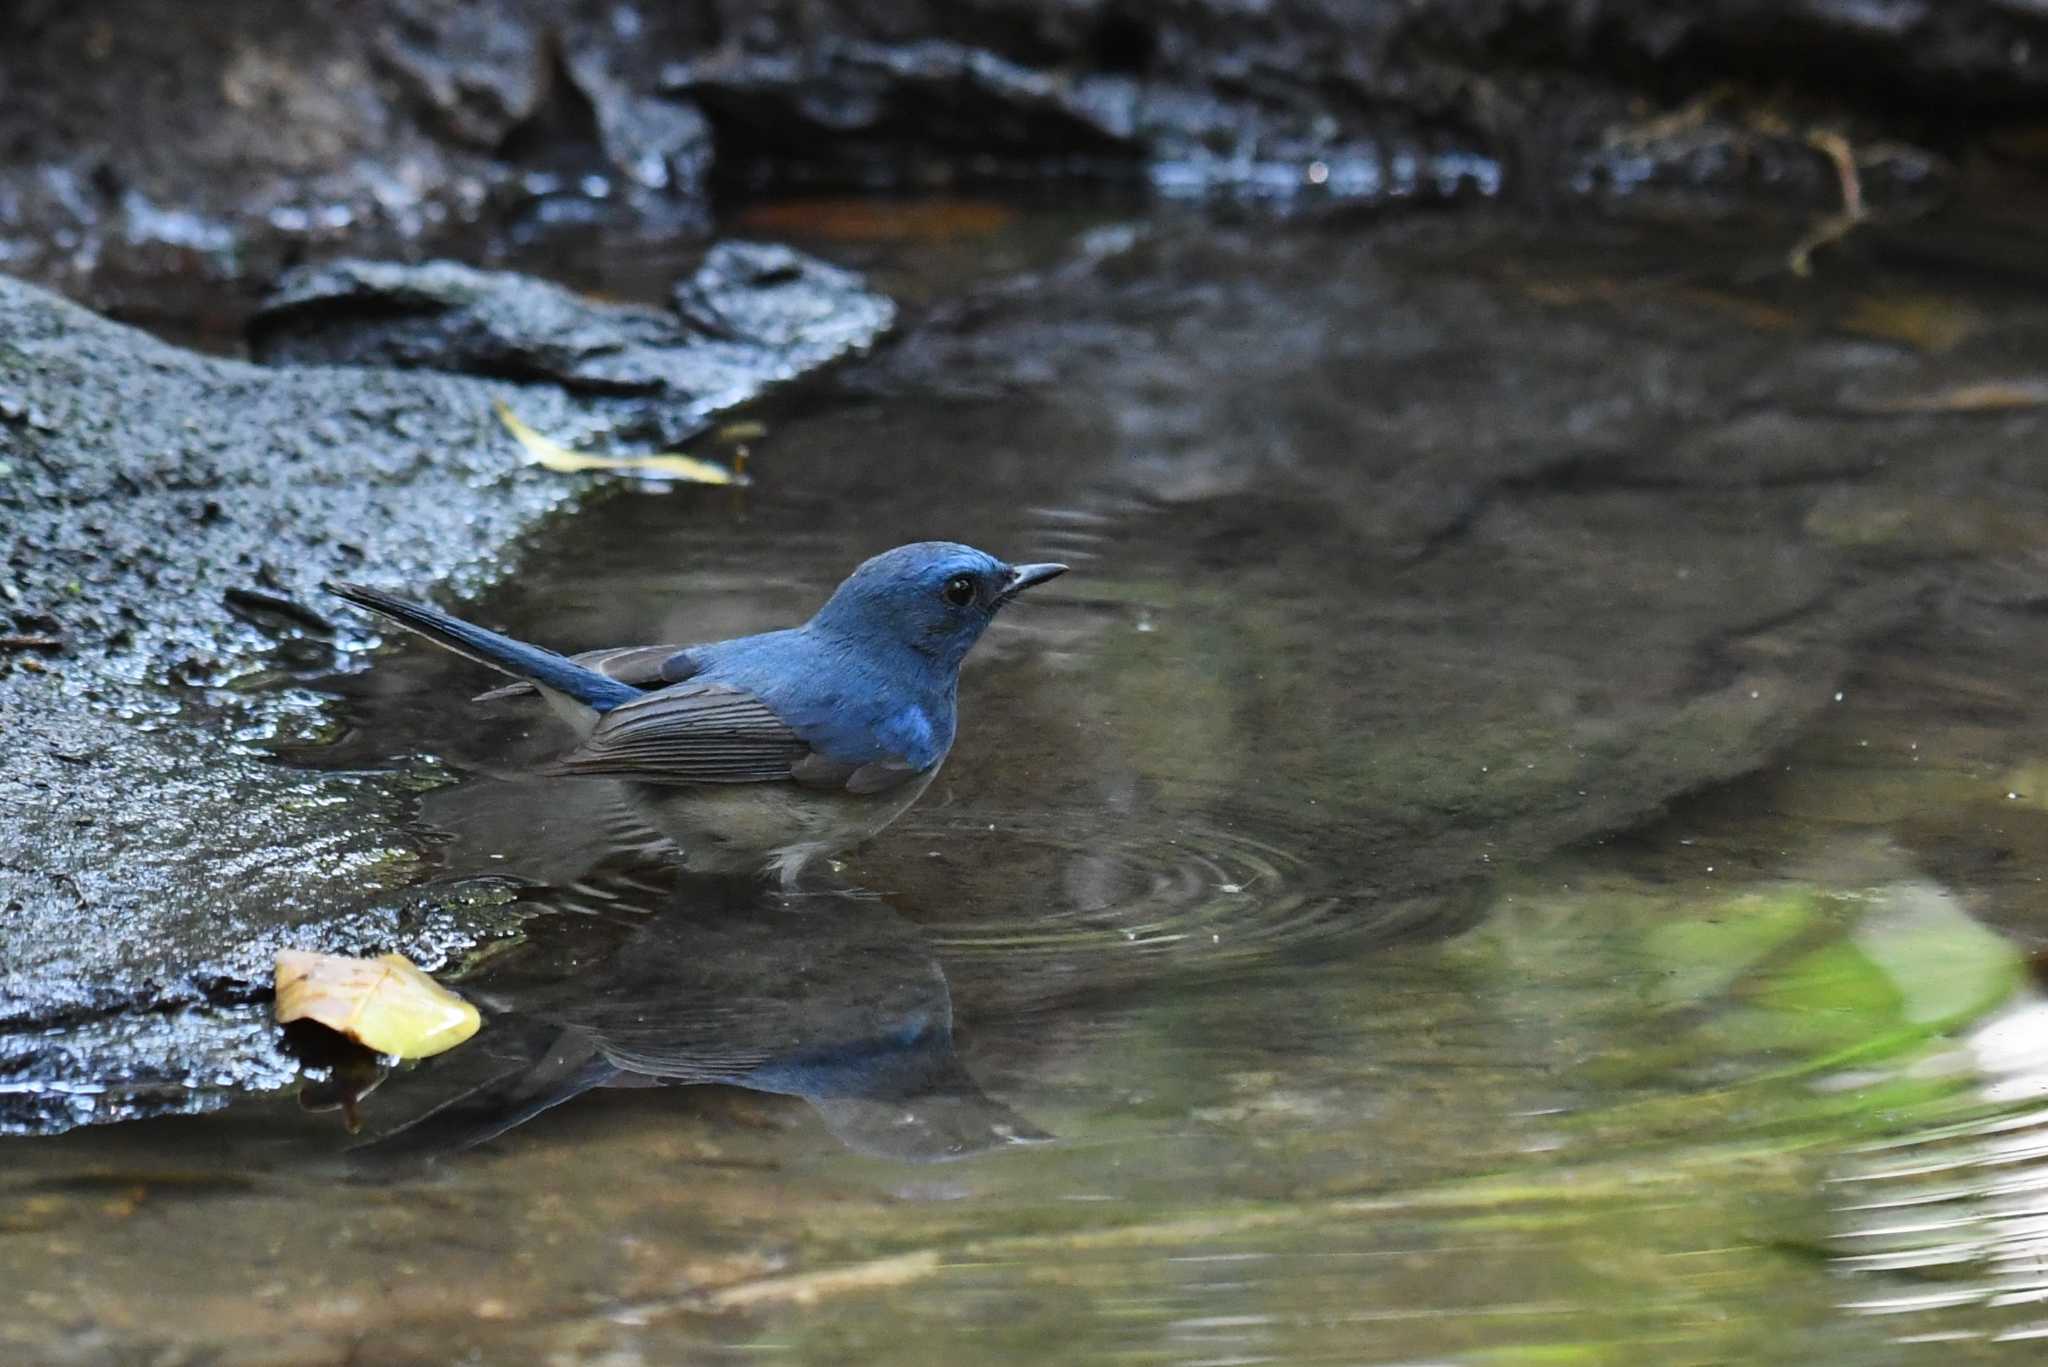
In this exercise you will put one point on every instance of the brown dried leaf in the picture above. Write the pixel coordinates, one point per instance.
(879, 220)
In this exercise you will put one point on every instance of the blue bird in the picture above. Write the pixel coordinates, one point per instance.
(764, 753)
(852, 1013)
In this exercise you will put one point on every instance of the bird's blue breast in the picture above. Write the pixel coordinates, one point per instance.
(897, 1050)
(909, 732)
(845, 707)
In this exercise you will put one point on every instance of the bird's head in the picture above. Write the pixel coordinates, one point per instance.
(935, 597)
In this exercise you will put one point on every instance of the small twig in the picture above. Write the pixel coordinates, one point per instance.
(1836, 226)
(1688, 119)
(31, 642)
(1844, 157)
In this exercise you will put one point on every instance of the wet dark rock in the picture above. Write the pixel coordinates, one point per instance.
(845, 109)
(881, 105)
(480, 71)
(658, 143)
(770, 296)
(168, 518)
(752, 312)
(136, 138)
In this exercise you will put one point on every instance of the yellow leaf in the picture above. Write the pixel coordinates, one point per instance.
(385, 1003)
(1752, 313)
(1931, 322)
(1982, 396)
(552, 455)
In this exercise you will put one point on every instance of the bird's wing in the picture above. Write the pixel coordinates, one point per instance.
(708, 1045)
(640, 666)
(570, 1067)
(877, 776)
(690, 733)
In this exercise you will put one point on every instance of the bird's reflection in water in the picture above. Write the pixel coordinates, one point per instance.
(827, 996)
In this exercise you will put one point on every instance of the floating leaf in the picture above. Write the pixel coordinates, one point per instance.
(1751, 313)
(385, 1003)
(876, 220)
(1570, 293)
(552, 455)
(2026, 143)
(1931, 322)
(1981, 396)
(1926, 524)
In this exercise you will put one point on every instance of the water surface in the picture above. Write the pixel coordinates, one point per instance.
(1519, 840)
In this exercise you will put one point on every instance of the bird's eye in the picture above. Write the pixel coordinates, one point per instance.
(959, 591)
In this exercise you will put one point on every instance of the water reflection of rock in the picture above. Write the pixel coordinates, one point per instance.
(831, 997)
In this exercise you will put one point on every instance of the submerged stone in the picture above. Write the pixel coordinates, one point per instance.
(752, 313)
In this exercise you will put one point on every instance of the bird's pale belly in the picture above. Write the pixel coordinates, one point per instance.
(767, 827)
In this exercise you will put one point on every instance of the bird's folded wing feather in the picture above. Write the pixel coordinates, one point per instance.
(705, 733)
(699, 1044)
(876, 776)
(640, 666)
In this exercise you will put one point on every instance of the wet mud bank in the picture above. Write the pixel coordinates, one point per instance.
(165, 522)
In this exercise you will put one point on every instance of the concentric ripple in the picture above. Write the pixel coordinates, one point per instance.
(1032, 885)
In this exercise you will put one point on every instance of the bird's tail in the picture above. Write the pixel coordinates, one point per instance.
(517, 658)
(569, 1069)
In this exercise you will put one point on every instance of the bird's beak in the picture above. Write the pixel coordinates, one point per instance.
(1023, 577)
